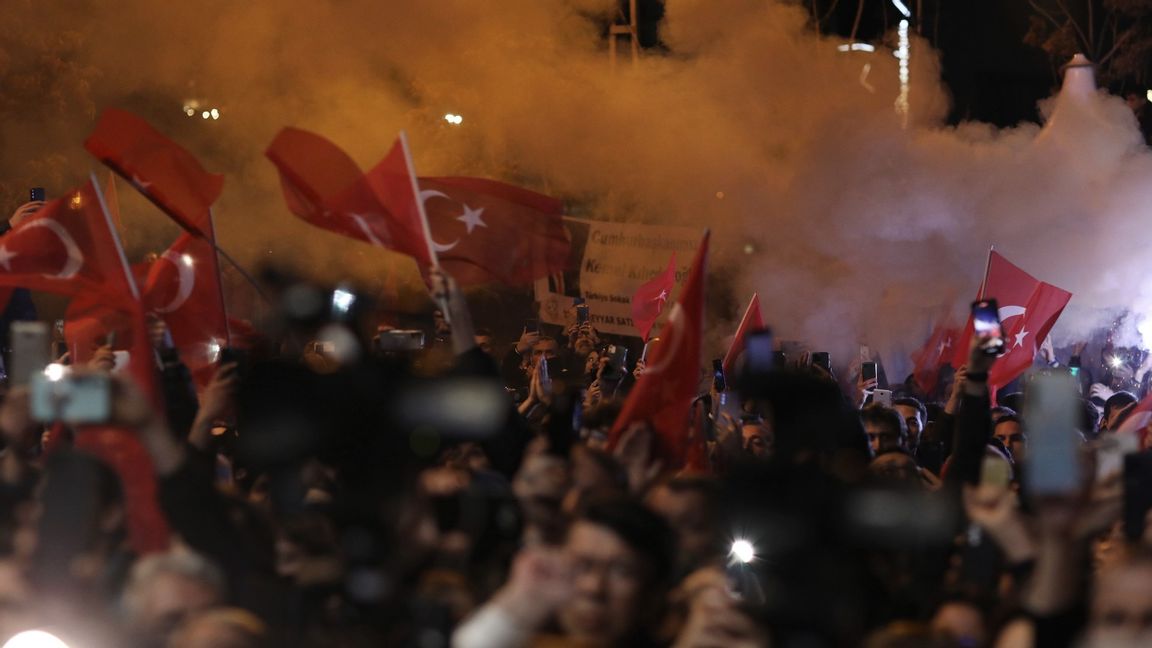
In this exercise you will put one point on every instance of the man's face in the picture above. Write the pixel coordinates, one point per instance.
(685, 512)
(1122, 607)
(546, 349)
(1010, 434)
(756, 439)
(882, 437)
(485, 344)
(915, 422)
(609, 587)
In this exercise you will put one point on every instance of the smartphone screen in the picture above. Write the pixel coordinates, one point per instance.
(868, 371)
(37, 193)
(823, 360)
(759, 354)
(1053, 440)
(582, 314)
(986, 325)
(532, 325)
(718, 382)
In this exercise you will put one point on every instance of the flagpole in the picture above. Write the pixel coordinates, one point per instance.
(411, 168)
(115, 237)
(987, 268)
(219, 280)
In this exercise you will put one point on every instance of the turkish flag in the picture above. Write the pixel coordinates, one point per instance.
(750, 322)
(66, 247)
(159, 168)
(1028, 310)
(649, 299)
(663, 395)
(936, 352)
(182, 287)
(487, 231)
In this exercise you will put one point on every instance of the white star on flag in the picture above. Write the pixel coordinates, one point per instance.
(6, 257)
(663, 296)
(471, 218)
(1020, 338)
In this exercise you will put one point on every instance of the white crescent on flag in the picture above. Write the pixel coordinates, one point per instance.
(432, 193)
(1008, 312)
(75, 256)
(186, 279)
(674, 333)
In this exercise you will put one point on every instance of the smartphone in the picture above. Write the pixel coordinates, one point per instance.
(617, 361)
(581, 314)
(532, 325)
(759, 352)
(995, 472)
(987, 327)
(72, 398)
(867, 371)
(823, 360)
(718, 382)
(882, 397)
(36, 194)
(30, 348)
(1053, 440)
(1137, 493)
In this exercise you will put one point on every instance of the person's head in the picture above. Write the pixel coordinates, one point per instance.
(1121, 604)
(622, 556)
(1116, 409)
(1011, 435)
(756, 437)
(689, 505)
(545, 348)
(915, 416)
(222, 627)
(485, 341)
(962, 621)
(885, 428)
(166, 588)
(895, 466)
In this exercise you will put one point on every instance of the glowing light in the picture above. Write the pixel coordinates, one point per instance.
(191, 112)
(77, 201)
(35, 639)
(342, 300)
(205, 114)
(749, 248)
(1149, 95)
(856, 47)
(743, 551)
(215, 113)
(213, 350)
(720, 195)
(187, 259)
(454, 119)
(54, 372)
(902, 8)
(1116, 362)
(904, 54)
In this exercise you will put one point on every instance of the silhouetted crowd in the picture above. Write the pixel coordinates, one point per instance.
(340, 483)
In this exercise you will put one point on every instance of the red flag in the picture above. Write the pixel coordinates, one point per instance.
(936, 352)
(67, 248)
(483, 230)
(750, 322)
(1028, 310)
(486, 231)
(183, 288)
(159, 168)
(649, 299)
(663, 395)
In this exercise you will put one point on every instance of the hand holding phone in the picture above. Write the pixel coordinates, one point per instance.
(987, 327)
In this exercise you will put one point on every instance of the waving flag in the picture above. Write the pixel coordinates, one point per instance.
(481, 230)
(751, 321)
(937, 351)
(160, 169)
(649, 299)
(663, 395)
(1028, 310)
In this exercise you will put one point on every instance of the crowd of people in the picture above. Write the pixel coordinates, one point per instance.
(331, 489)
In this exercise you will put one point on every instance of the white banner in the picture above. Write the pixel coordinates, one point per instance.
(615, 258)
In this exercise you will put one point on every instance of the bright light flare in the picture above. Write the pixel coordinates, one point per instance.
(1149, 96)
(453, 118)
(35, 639)
(1116, 362)
(342, 300)
(743, 551)
(904, 54)
(215, 113)
(54, 372)
(856, 47)
(902, 8)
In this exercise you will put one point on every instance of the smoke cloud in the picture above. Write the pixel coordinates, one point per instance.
(852, 228)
